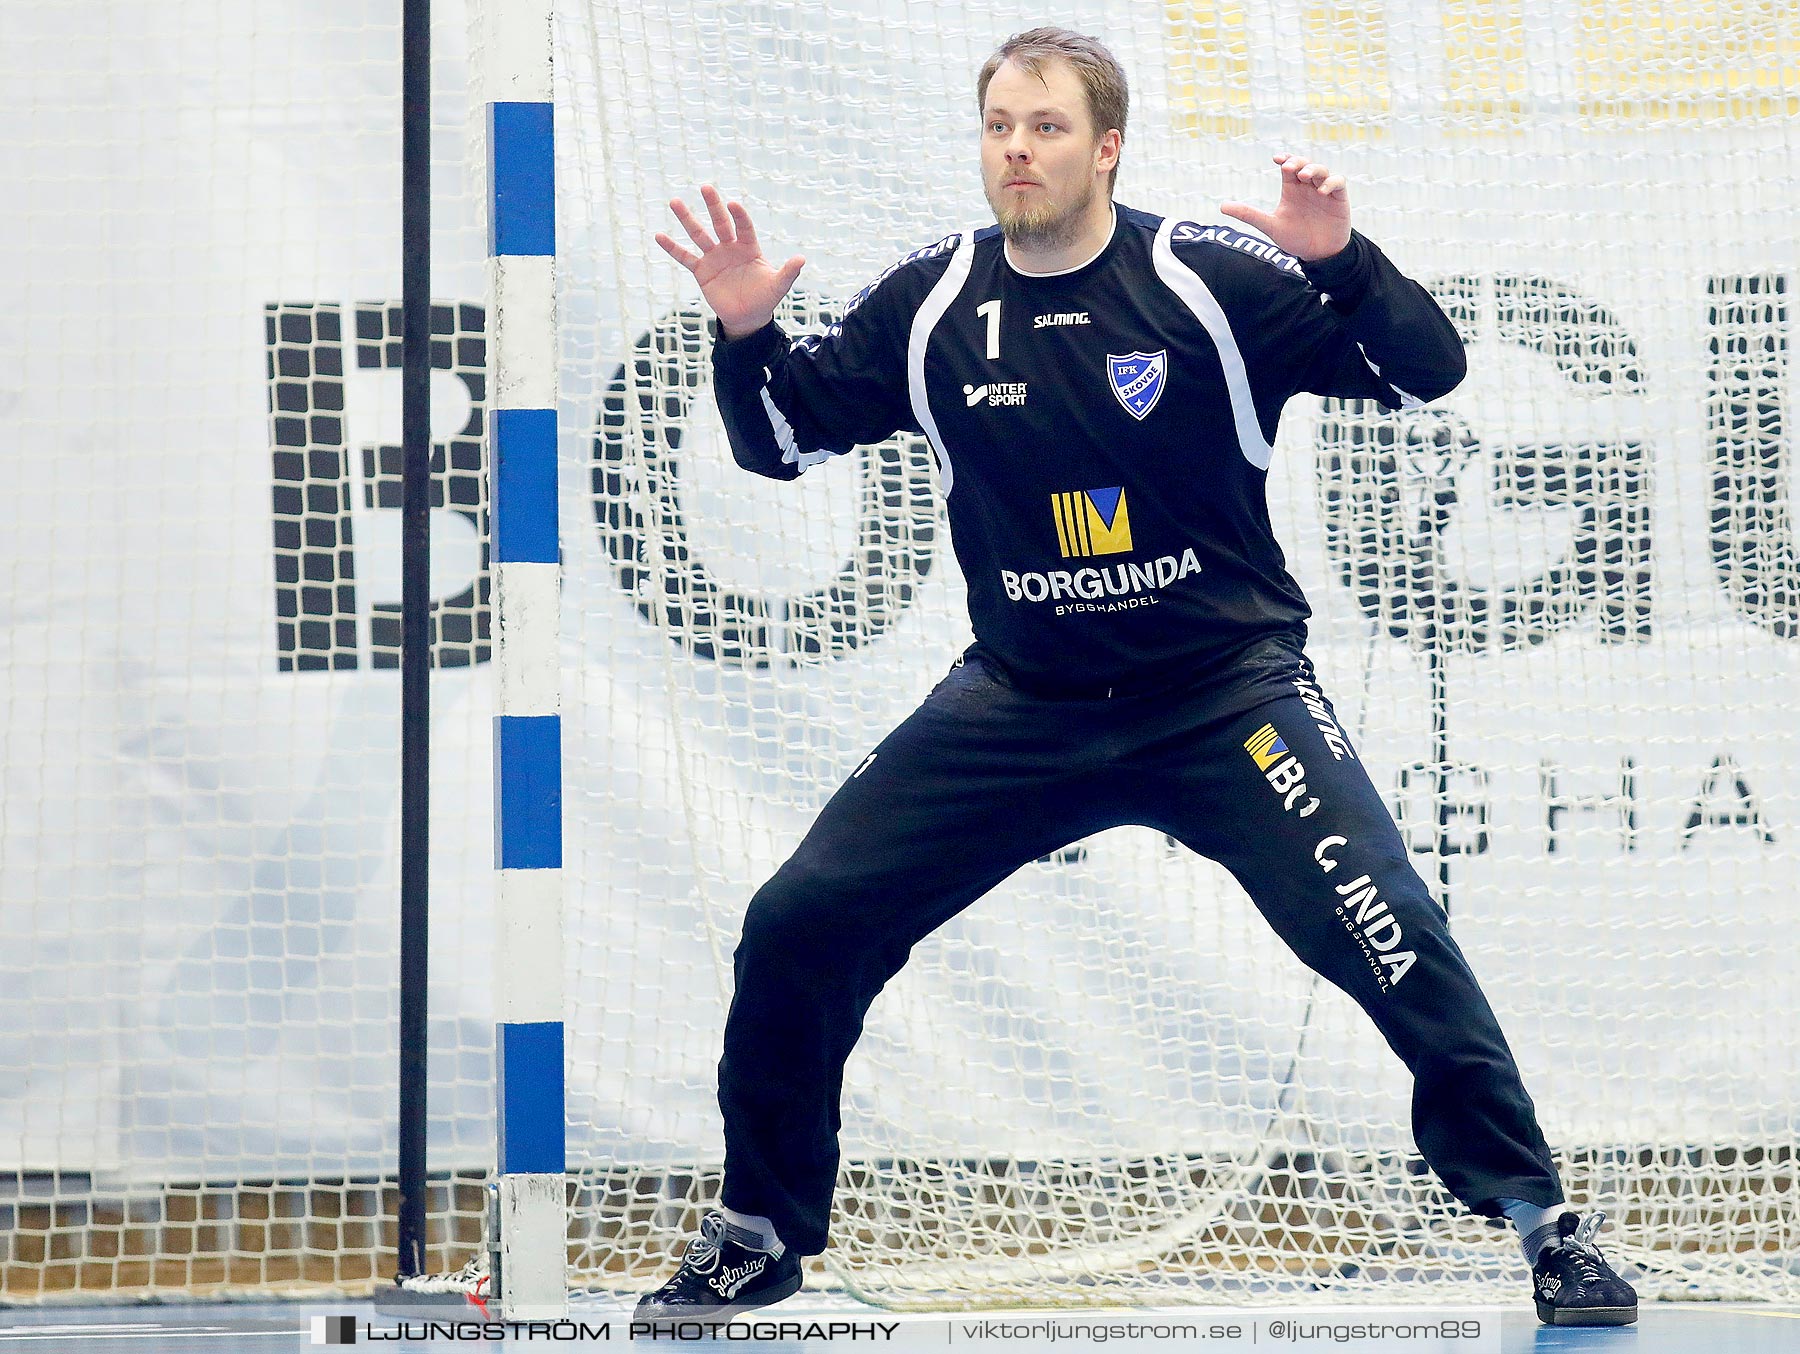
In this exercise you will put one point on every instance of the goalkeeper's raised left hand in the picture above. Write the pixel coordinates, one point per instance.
(1312, 219)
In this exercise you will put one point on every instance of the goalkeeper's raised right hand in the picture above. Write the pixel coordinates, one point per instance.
(734, 277)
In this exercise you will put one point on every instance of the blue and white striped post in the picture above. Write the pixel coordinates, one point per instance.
(522, 347)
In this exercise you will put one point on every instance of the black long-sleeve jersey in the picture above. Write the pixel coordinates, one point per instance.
(1103, 434)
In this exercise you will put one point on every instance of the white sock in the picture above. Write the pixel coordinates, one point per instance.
(759, 1227)
(1536, 1226)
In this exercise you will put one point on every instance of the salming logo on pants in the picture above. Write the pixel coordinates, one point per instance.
(985, 777)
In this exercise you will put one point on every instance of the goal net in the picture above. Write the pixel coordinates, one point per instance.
(1557, 612)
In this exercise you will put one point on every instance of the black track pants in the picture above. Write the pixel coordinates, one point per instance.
(984, 778)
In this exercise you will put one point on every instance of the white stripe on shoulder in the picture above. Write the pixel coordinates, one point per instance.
(1198, 298)
(924, 321)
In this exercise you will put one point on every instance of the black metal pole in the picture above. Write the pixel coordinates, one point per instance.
(415, 642)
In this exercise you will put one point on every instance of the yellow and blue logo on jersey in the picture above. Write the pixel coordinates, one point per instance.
(1092, 522)
(1266, 747)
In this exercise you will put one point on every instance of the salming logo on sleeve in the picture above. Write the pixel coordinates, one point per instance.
(1186, 232)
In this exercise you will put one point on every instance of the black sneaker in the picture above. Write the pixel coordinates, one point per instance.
(1573, 1284)
(724, 1272)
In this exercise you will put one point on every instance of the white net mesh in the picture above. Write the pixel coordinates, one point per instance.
(199, 727)
(1107, 1081)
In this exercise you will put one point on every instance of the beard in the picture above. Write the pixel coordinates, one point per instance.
(1042, 225)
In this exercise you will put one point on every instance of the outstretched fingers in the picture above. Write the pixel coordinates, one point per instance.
(687, 258)
(746, 233)
(789, 271)
(691, 224)
(721, 219)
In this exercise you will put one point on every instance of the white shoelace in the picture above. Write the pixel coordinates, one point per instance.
(702, 1254)
(1581, 1242)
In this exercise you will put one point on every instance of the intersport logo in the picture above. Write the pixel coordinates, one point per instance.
(995, 393)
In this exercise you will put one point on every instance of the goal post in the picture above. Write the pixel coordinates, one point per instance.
(529, 1219)
(1556, 613)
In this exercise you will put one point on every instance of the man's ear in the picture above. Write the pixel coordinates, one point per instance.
(1111, 142)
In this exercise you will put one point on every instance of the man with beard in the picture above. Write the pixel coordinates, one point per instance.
(1101, 389)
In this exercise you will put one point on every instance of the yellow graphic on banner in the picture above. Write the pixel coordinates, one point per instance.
(1343, 46)
(1489, 66)
(1208, 50)
(1688, 61)
(1345, 43)
(1484, 64)
(1266, 747)
(1092, 522)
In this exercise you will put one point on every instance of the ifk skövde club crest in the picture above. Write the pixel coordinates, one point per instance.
(1137, 379)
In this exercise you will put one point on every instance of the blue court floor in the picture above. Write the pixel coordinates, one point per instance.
(278, 1328)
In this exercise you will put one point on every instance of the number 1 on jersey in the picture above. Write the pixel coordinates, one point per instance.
(991, 309)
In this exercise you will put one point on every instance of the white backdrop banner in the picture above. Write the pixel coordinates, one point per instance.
(199, 695)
